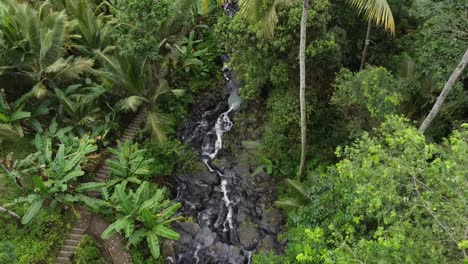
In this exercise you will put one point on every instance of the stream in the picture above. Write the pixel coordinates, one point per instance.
(230, 210)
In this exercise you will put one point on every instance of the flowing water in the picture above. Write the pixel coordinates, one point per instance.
(219, 197)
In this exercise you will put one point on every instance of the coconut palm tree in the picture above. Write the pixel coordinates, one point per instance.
(374, 11)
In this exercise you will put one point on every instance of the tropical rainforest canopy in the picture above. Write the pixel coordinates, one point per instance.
(248, 131)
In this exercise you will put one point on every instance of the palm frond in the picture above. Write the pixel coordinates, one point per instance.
(52, 40)
(251, 10)
(376, 10)
(125, 72)
(70, 68)
(157, 125)
(133, 103)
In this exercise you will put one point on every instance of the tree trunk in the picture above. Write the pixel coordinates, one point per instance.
(366, 45)
(305, 11)
(447, 87)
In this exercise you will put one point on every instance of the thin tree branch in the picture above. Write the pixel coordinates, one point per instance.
(9, 212)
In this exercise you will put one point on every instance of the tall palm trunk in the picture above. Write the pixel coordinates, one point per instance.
(366, 45)
(305, 11)
(447, 87)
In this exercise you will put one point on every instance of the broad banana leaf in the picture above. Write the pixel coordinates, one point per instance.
(115, 227)
(32, 211)
(153, 243)
(163, 231)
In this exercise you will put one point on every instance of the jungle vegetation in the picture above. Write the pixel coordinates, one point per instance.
(377, 87)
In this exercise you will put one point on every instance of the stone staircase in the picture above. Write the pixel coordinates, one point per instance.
(86, 218)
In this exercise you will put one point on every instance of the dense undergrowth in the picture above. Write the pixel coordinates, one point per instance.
(73, 74)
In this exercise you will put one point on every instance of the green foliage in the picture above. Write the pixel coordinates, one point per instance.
(78, 106)
(282, 133)
(137, 32)
(7, 254)
(257, 59)
(93, 25)
(131, 165)
(171, 157)
(35, 243)
(373, 89)
(10, 119)
(392, 197)
(364, 98)
(132, 74)
(145, 26)
(53, 169)
(87, 252)
(141, 215)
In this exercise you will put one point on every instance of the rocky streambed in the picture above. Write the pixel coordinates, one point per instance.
(230, 210)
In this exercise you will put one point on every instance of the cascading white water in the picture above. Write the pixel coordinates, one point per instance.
(223, 124)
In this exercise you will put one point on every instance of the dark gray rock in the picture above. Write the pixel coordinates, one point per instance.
(167, 251)
(190, 227)
(267, 244)
(248, 236)
(205, 237)
(206, 176)
(271, 221)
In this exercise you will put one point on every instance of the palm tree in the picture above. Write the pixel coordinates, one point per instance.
(43, 36)
(132, 76)
(94, 26)
(377, 11)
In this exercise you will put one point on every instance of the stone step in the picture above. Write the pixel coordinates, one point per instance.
(68, 248)
(84, 213)
(65, 254)
(70, 242)
(128, 137)
(77, 231)
(130, 134)
(133, 129)
(75, 237)
(62, 260)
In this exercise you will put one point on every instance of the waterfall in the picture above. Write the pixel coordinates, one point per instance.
(213, 196)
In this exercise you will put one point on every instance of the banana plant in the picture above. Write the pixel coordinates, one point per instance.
(10, 120)
(13, 116)
(130, 165)
(54, 170)
(188, 56)
(143, 215)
